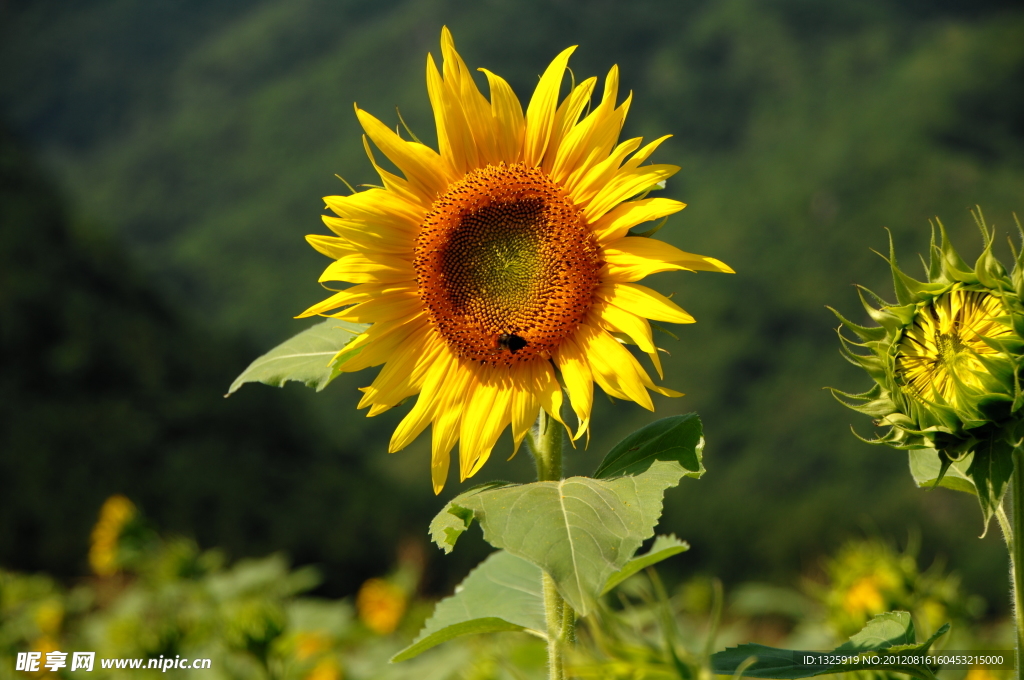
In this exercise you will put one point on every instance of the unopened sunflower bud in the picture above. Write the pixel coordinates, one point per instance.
(946, 361)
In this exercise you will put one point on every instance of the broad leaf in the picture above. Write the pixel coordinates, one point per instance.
(678, 438)
(305, 357)
(663, 548)
(891, 629)
(448, 525)
(889, 633)
(579, 530)
(502, 594)
(926, 468)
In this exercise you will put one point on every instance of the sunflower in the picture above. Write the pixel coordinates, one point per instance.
(500, 267)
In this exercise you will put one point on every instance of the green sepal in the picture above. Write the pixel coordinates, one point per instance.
(953, 267)
(863, 332)
(904, 295)
(891, 633)
(990, 470)
(311, 357)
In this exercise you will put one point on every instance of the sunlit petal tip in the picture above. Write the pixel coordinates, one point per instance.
(720, 266)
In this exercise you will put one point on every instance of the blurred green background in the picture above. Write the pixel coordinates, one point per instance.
(161, 161)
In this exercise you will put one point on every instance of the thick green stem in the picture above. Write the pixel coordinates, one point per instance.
(546, 444)
(1015, 543)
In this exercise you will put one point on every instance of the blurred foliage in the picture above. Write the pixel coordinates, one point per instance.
(255, 618)
(866, 578)
(204, 133)
(105, 387)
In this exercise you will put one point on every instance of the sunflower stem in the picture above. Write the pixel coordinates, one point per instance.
(1015, 544)
(546, 444)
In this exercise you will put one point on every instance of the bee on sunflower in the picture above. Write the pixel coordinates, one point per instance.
(501, 268)
(946, 360)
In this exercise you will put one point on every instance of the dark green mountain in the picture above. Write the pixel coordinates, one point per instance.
(205, 133)
(106, 387)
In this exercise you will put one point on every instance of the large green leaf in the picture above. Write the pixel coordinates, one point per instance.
(502, 594)
(579, 530)
(891, 633)
(677, 438)
(926, 468)
(663, 548)
(305, 357)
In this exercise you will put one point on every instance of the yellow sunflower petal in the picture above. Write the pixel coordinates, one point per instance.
(447, 426)
(632, 326)
(637, 328)
(402, 376)
(644, 153)
(510, 123)
(614, 368)
(331, 246)
(487, 413)
(379, 206)
(380, 341)
(383, 308)
(525, 405)
(626, 184)
(371, 236)
(421, 165)
(593, 180)
(634, 257)
(618, 221)
(590, 140)
(349, 296)
(398, 188)
(475, 109)
(540, 114)
(643, 301)
(566, 118)
(579, 382)
(454, 134)
(549, 392)
(362, 268)
(422, 412)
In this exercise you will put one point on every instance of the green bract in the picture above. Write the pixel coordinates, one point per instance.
(946, 360)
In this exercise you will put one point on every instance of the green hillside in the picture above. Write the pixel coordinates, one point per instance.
(206, 133)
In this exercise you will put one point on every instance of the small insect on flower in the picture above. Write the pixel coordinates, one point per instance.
(513, 343)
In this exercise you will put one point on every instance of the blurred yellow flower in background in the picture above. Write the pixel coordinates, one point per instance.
(863, 598)
(115, 514)
(310, 643)
(326, 669)
(869, 577)
(501, 258)
(381, 605)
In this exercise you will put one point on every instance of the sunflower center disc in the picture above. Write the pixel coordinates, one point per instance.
(506, 265)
